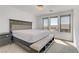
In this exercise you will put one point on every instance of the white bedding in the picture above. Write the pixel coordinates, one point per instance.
(30, 36)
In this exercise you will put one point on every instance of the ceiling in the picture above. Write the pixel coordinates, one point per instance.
(32, 8)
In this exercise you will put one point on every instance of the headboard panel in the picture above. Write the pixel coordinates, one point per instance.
(20, 25)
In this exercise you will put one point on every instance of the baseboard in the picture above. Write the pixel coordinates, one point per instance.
(63, 39)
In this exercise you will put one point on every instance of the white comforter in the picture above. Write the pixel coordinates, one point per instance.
(30, 36)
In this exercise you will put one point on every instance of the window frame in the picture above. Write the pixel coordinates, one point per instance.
(57, 21)
(48, 22)
(69, 22)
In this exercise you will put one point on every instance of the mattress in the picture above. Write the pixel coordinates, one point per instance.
(30, 36)
(40, 44)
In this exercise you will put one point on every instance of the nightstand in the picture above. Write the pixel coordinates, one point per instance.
(5, 39)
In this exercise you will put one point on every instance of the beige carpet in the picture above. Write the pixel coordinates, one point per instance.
(57, 47)
(62, 47)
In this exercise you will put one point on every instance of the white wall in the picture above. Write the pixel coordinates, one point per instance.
(39, 23)
(7, 12)
(76, 27)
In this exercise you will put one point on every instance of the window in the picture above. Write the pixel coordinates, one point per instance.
(65, 23)
(54, 23)
(45, 21)
(61, 23)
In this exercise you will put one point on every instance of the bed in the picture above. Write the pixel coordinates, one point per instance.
(30, 35)
(35, 40)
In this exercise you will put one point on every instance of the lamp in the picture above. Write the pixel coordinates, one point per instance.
(40, 7)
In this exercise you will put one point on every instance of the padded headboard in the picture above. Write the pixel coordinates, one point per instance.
(20, 25)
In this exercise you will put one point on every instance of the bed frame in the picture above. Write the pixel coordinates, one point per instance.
(21, 25)
(26, 45)
(18, 25)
